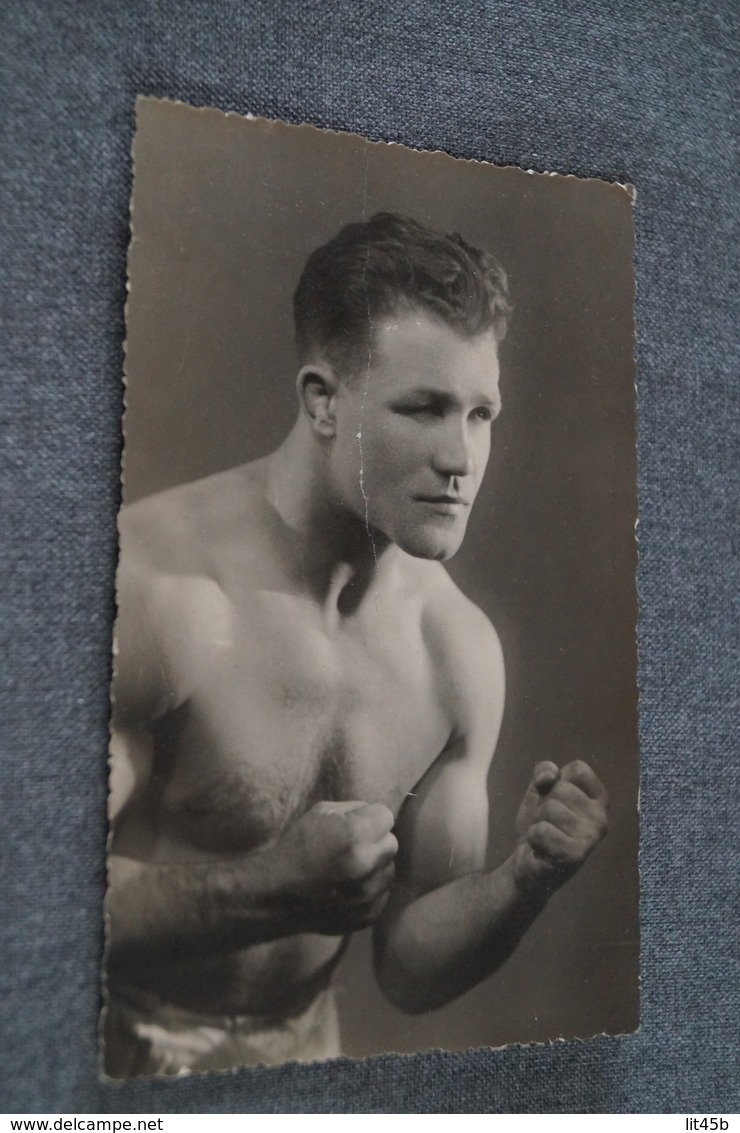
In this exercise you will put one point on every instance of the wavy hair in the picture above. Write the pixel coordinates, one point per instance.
(390, 263)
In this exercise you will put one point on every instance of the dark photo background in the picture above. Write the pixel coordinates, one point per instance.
(225, 212)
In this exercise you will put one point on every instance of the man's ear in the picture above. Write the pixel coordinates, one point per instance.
(317, 387)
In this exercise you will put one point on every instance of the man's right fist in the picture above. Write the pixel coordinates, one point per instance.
(338, 859)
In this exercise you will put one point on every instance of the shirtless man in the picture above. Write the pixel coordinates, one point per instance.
(306, 706)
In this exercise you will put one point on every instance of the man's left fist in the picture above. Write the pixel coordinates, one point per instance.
(561, 819)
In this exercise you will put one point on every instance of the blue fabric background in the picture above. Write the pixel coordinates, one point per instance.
(638, 92)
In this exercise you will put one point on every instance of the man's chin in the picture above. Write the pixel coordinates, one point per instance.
(434, 544)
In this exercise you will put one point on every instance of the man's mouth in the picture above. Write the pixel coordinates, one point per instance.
(444, 505)
(458, 501)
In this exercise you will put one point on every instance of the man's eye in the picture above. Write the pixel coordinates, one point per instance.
(422, 412)
(482, 413)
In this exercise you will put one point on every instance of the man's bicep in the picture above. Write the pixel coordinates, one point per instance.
(130, 768)
(137, 651)
(443, 826)
(138, 687)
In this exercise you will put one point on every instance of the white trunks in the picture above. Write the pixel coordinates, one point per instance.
(143, 1035)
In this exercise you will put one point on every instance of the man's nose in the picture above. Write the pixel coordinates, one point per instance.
(454, 453)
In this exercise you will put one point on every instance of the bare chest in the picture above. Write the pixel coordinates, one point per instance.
(281, 715)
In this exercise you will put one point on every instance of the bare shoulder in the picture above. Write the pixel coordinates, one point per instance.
(171, 606)
(457, 631)
(466, 653)
(175, 531)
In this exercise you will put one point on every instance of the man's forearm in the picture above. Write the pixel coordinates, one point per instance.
(176, 911)
(432, 949)
(327, 873)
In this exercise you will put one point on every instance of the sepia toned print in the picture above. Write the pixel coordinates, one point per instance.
(379, 453)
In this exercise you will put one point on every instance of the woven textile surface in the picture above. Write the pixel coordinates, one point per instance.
(632, 92)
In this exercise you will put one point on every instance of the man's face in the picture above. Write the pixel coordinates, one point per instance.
(413, 433)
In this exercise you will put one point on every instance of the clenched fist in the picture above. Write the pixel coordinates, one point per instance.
(338, 861)
(561, 819)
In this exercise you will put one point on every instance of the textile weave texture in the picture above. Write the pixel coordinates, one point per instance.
(631, 92)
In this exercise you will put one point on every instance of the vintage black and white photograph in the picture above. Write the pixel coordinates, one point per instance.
(374, 759)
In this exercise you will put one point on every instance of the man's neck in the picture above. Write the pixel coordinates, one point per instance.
(339, 556)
